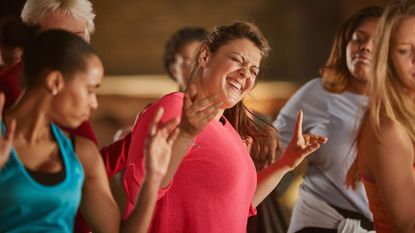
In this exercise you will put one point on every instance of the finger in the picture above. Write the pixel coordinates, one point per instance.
(316, 138)
(299, 124)
(208, 110)
(202, 104)
(187, 103)
(10, 129)
(202, 119)
(208, 118)
(310, 149)
(192, 91)
(172, 136)
(169, 126)
(156, 120)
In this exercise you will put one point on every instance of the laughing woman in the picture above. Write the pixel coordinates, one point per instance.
(211, 184)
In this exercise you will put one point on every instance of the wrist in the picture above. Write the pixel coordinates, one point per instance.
(153, 179)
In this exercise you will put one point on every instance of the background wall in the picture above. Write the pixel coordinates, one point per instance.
(130, 35)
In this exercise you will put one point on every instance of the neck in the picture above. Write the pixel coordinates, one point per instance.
(201, 91)
(357, 86)
(30, 113)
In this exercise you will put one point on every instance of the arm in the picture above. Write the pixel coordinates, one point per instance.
(299, 147)
(390, 161)
(98, 204)
(6, 143)
(97, 201)
(157, 151)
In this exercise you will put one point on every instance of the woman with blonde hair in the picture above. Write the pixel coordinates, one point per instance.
(386, 160)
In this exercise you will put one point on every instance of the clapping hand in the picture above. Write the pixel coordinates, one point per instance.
(158, 145)
(197, 111)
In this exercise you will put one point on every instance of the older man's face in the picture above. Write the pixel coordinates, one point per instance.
(60, 20)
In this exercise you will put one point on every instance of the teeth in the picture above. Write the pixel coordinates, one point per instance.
(235, 84)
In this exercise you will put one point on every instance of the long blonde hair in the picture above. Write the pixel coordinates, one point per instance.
(388, 99)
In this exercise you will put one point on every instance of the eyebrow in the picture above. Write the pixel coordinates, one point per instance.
(244, 59)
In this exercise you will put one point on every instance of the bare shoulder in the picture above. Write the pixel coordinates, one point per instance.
(87, 152)
(389, 141)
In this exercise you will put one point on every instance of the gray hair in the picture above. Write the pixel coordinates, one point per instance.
(34, 10)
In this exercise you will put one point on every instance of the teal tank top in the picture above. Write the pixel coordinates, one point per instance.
(28, 206)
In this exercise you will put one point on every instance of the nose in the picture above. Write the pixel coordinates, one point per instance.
(367, 46)
(94, 102)
(243, 72)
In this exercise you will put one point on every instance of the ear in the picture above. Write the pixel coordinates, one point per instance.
(54, 82)
(204, 56)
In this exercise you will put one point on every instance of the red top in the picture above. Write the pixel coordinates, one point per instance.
(381, 218)
(11, 86)
(213, 187)
(10, 83)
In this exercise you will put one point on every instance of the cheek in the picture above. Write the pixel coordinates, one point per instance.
(350, 51)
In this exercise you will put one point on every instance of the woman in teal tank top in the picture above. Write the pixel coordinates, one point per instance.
(44, 175)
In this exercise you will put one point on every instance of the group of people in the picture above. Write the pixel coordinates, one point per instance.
(188, 160)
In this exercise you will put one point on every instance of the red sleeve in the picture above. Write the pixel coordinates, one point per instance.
(115, 155)
(10, 83)
(135, 171)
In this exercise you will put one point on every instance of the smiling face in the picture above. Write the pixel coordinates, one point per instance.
(77, 99)
(402, 53)
(359, 50)
(231, 71)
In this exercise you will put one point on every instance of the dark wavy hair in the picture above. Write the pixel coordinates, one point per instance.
(54, 50)
(247, 123)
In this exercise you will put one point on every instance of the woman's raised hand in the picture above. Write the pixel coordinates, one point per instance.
(301, 144)
(198, 110)
(158, 144)
(6, 142)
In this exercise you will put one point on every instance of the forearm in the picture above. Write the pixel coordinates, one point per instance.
(179, 151)
(268, 179)
(140, 218)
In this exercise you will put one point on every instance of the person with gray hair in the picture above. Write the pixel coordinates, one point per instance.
(76, 16)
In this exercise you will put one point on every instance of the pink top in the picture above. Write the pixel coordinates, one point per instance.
(213, 187)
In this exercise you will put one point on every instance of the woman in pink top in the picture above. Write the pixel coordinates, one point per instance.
(211, 184)
(386, 142)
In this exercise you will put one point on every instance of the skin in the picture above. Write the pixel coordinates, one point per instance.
(359, 55)
(181, 68)
(388, 158)
(224, 79)
(37, 149)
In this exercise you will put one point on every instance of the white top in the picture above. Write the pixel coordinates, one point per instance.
(336, 116)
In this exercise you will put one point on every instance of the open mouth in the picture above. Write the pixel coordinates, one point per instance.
(235, 84)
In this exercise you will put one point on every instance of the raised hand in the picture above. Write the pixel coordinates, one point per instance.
(301, 144)
(6, 143)
(197, 111)
(158, 145)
